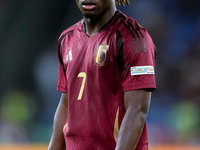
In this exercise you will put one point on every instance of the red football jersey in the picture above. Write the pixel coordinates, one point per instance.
(95, 71)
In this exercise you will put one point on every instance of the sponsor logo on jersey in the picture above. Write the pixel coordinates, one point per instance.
(100, 55)
(68, 56)
(142, 70)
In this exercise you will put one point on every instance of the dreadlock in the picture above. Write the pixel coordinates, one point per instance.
(122, 2)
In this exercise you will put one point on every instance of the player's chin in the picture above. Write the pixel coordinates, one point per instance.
(89, 14)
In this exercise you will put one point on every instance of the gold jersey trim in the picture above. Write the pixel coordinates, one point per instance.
(116, 125)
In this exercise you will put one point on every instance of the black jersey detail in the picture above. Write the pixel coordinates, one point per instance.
(120, 50)
(132, 27)
(83, 27)
(134, 38)
(58, 49)
(155, 51)
(130, 22)
(144, 41)
(109, 22)
(116, 19)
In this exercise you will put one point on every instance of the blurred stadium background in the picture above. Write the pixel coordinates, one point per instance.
(28, 98)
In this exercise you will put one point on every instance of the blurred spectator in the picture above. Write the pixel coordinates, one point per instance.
(17, 109)
(45, 77)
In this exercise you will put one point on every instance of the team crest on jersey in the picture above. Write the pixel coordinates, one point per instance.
(100, 55)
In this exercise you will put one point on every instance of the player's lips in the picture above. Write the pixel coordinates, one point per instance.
(88, 5)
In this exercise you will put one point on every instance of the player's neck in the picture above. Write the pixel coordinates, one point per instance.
(94, 24)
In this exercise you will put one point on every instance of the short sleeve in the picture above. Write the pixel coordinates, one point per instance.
(136, 55)
(62, 80)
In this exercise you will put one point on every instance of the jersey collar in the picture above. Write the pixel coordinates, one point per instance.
(106, 25)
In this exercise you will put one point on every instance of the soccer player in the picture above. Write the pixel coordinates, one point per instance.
(106, 76)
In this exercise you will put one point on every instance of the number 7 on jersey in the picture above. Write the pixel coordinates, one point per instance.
(81, 75)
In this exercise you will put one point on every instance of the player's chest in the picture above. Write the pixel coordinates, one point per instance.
(84, 52)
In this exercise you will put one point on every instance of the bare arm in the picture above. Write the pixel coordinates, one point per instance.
(57, 141)
(137, 106)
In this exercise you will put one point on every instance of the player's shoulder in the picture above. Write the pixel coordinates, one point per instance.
(76, 26)
(130, 29)
(130, 24)
(133, 33)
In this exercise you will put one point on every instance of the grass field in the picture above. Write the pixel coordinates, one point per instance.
(44, 147)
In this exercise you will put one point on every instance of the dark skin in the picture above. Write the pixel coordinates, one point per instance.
(136, 102)
(100, 15)
(57, 139)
